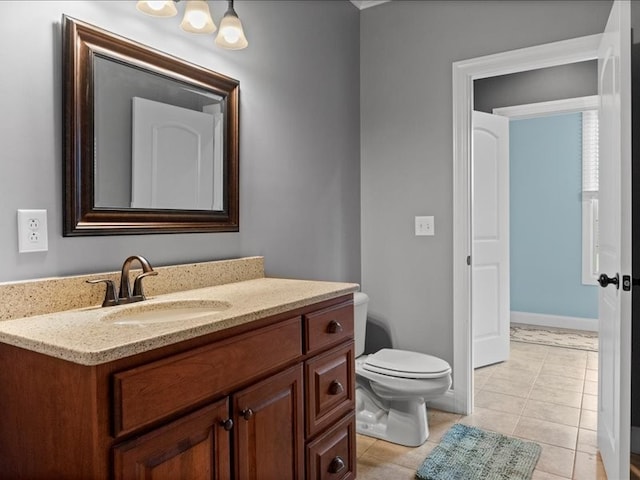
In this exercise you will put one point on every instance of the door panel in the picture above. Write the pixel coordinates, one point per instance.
(486, 278)
(490, 232)
(614, 376)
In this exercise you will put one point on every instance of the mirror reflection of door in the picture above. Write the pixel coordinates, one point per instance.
(176, 160)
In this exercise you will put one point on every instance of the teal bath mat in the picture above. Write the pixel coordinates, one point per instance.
(470, 453)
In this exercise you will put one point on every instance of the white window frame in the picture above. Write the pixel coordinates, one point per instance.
(590, 245)
(590, 199)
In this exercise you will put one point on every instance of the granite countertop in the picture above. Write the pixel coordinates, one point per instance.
(95, 335)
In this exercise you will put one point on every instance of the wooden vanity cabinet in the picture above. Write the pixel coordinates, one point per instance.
(266, 426)
(266, 400)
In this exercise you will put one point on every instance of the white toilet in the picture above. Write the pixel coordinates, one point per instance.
(392, 387)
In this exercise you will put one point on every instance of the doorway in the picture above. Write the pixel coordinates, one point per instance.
(612, 49)
(559, 53)
(542, 219)
(516, 396)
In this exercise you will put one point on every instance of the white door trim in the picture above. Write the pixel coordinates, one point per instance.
(464, 73)
(532, 110)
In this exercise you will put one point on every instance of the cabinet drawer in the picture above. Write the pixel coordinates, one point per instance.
(329, 387)
(159, 389)
(328, 326)
(332, 455)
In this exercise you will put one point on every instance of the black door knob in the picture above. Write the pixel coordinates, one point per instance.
(605, 280)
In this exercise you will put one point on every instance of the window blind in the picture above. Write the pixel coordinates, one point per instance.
(590, 152)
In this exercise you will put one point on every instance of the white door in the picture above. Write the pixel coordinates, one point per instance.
(172, 157)
(614, 373)
(490, 232)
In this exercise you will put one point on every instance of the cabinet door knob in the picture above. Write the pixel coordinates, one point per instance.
(334, 327)
(336, 465)
(336, 388)
(227, 424)
(247, 413)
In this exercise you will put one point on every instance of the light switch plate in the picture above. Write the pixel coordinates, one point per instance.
(425, 226)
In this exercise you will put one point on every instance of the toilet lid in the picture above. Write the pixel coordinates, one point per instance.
(404, 364)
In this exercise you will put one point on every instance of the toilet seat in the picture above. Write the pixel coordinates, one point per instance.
(406, 364)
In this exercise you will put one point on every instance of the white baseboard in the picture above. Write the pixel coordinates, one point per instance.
(556, 321)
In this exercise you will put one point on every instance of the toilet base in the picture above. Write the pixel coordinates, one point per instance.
(398, 421)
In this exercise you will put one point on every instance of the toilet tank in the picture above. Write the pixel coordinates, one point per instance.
(360, 303)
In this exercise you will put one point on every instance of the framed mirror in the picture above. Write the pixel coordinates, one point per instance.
(150, 141)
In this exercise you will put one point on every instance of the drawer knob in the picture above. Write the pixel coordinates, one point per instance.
(334, 327)
(336, 388)
(247, 413)
(227, 424)
(336, 465)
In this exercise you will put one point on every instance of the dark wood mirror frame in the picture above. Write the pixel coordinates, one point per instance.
(81, 42)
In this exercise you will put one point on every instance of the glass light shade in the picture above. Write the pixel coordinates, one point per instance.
(157, 8)
(197, 18)
(231, 35)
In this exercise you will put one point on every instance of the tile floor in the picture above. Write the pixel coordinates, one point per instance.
(545, 394)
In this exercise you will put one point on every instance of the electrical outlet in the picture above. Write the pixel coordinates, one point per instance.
(32, 231)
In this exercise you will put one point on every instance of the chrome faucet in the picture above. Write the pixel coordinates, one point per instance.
(126, 295)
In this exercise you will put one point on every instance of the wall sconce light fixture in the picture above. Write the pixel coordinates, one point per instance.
(197, 19)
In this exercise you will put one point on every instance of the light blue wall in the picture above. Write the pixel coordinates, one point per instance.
(546, 218)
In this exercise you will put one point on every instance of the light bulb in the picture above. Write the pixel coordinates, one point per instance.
(231, 34)
(156, 5)
(157, 8)
(197, 20)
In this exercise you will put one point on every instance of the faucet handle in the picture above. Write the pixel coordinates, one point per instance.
(110, 297)
(137, 283)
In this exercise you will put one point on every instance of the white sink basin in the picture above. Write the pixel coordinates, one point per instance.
(150, 313)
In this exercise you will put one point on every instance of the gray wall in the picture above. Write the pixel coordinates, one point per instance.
(406, 142)
(542, 85)
(299, 137)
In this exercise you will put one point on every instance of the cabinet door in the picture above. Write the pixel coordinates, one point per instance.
(269, 432)
(194, 447)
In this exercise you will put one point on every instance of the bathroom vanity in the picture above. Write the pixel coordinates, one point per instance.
(263, 387)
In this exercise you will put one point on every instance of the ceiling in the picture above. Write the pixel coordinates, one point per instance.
(362, 4)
